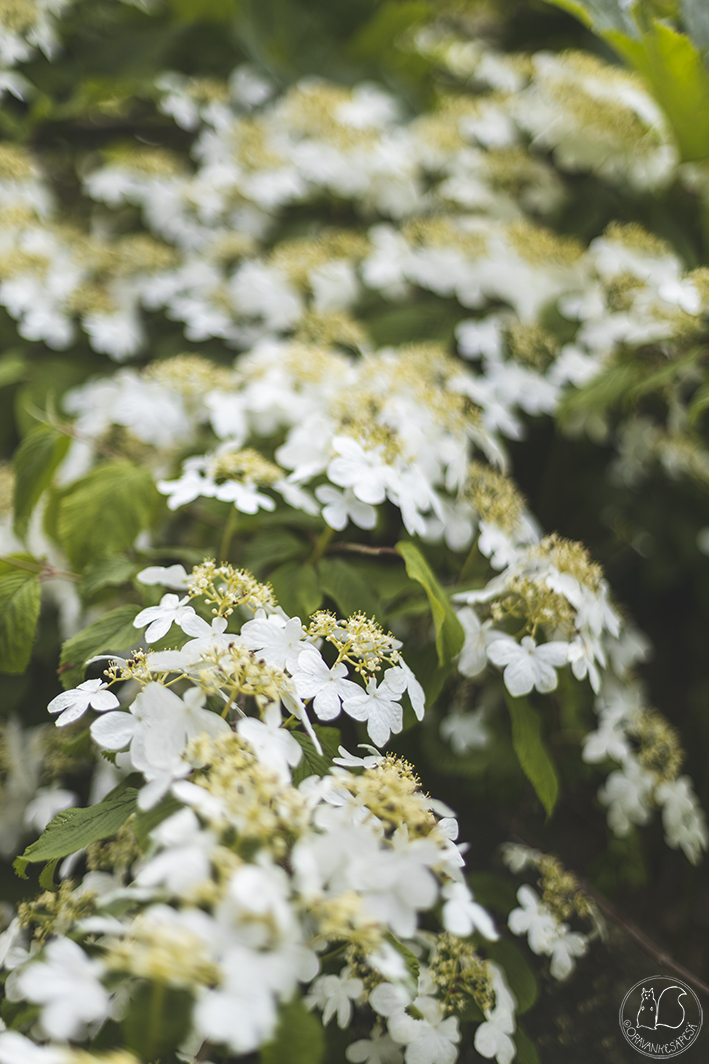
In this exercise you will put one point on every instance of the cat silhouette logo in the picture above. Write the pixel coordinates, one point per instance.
(661, 1017)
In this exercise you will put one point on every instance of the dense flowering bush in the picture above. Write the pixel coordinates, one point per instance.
(262, 523)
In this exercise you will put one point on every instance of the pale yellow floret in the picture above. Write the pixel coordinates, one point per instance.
(561, 890)
(570, 557)
(460, 974)
(660, 750)
(359, 640)
(226, 588)
(529, 598)
(190, 375)
(55, 912)
(297, 258)
(495, 497)
(15, 163)
(321, 328)
(391, 791)
(165, 953)
(311, 110)
(246, 466)
(531, 345)
(634, 236)
(540, 246)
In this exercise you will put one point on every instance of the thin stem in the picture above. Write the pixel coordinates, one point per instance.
(321, 544)
(229, 530)
(360, 548)
(44, 571)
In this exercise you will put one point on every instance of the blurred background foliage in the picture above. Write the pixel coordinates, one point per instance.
(100, 95)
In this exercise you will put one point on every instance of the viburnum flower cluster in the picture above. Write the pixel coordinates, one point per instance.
(253, 877)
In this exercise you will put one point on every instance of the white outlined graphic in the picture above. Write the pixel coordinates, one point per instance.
(660, 1017)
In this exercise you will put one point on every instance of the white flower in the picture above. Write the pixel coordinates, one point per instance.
(280, 643)
(157, 728)
(342, 507)
(492, 1038)
(167, 576)
(46, 803)
(327, 687)
(462, 915)
(185, 859)
(160, 619)
(348, 760)
(66, 983)
(363, 471)
(431, 1040)
(627, 793)
(568, 945)
(380, 707)
(528, 665)
(466, 731)
(73, 704)
(16, 1049)
(274, 746)
(377, 1049)
(473, 656)
(683, 818)
(334, 994)
(535, 920)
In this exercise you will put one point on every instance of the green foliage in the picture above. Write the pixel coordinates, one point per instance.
(73, 829)
(111, 571)
(297, 588)
(449, 631)
(520, 976)
(531, 752)
(19, 613)
(348, 588)
(526, 1049)
(157, 1020)
(299, 1038)
(312, 763)
(104, 511)
(110, 633)
(670, 61)
(35, 461)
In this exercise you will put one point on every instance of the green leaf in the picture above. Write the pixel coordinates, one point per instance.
(104, 511)
(109, 634)
(157, 1020)
(410, 959)
(600, 15)
(493, 891)
(679, 80)
(112, 571)
(272, 545)
(35, 461)
(349, 589)
(299, 1037)
(531, 752)
(526, 1049)
(521, 978)
(147, 819)
(46, 876)
(312, 763)
(73, 829)
(19, 613)
(695, 15)
(449, 631)
(13, 368)
(297, 588)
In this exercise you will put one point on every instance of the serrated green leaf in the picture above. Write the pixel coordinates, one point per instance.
(449, 631)
(520, 977)
(19, 613)
(312, 763)
(297, 588)
(104, 511)
(35, 462)
(410, 959)
(73, 829)
(299, 1037)
(157, 1019)
(46, 876)
(348, 588)
(112, 571)
(111, 633)
(531, 751)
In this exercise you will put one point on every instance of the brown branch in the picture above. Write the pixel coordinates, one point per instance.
(361, 548)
